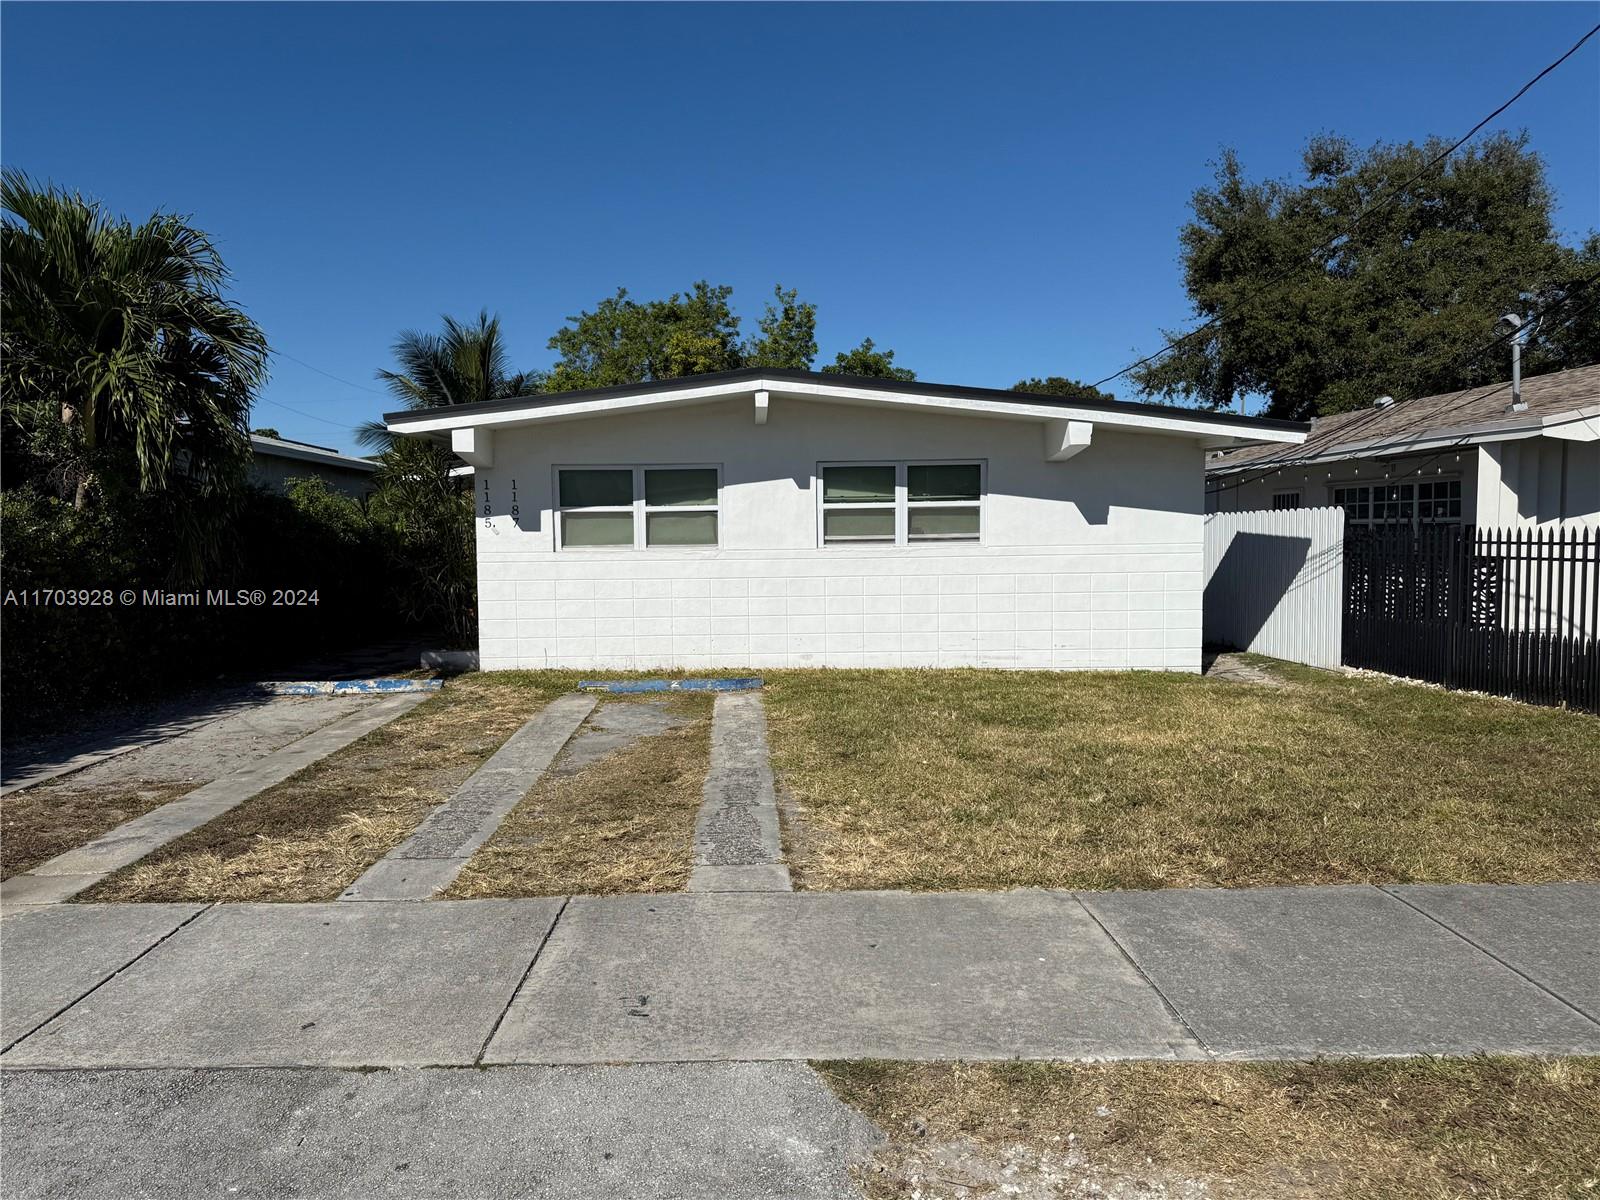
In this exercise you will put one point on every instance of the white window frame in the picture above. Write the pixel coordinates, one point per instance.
(902, 503)
(639, 509)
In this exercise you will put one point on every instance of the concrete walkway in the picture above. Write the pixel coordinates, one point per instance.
(430, 859)
(1252, 973)
(737, 843)
(66, 875)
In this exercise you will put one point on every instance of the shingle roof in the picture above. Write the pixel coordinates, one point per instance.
(1476, 410)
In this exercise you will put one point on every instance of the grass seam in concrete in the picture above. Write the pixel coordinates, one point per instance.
(1172, 1009)
(1523, 975)
(79, 999)
(521, 982)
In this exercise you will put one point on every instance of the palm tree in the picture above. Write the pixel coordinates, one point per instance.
(119, 350)
(463, 365)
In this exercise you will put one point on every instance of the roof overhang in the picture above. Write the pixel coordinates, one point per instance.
(274, 448)
(1578, 425)
(1067, 425)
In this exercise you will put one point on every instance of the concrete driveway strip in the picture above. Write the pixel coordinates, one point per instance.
(1549, 932)
(68, 874)
(738, 1130)
(307, 985)
(1290, 972)
(49, 957)
(428, 860)
(761, 976)
(737, 844)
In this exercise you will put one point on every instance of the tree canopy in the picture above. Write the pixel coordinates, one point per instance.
(623, 340)
(1324, 293)
(867, 360)
(122, 363)
(1056, 385)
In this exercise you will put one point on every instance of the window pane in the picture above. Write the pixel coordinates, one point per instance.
(596, 489)
(953, 524)
(857, 485)
(859, 524)
(943, 482)
(680, 529)
(596, 529)
(691, 485)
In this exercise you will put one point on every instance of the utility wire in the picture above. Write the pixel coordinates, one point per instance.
(1366, 211)
(1476, 392)
(327, 374)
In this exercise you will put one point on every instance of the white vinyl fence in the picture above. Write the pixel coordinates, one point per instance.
(1275, 583)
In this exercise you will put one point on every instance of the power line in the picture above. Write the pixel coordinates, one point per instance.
(328, 374)
(1433, 414)
(1366, 211)
(310, 416)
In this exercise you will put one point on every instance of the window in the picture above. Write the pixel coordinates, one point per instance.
(1282, 500)
(896, 503)
(631, 507)
(1400, 503)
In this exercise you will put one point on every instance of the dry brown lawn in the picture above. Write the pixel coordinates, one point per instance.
(1392, 1129)
(311, 836)
(41, 822)
(989, 779)
(622, 824)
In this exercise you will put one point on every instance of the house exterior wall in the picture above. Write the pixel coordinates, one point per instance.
(1090, 563)
(1536, 482)
(274, 473)
(1315, 482)
(1522, 483)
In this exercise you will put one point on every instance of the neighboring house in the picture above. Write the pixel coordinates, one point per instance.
(765, 518)
(1462, 457)
(278, 460)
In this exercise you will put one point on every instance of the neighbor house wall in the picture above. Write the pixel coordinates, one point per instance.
(1540, 481)
(274, 474)
(1315, 481)
(1092, 562)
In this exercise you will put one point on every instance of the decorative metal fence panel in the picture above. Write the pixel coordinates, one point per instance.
(1273, 582)
(1515, 612)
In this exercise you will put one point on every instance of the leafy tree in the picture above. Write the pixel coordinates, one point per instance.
(1320, 317)
(623, 341)
(429, 516)
(869, 362)
(123, 364)
(1057, 385)
(788, 334)
(267, 431)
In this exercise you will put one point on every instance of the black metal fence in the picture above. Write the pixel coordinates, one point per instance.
(1510, 611)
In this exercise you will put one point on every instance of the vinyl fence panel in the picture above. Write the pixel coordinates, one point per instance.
(1275, 583)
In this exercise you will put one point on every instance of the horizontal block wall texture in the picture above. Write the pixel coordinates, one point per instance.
(1092, 563)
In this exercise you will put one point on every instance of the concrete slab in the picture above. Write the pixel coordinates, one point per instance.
(1550, 931)
(1289, 972)
(21, 892)
(844, 975)
(449, 835)
(613, 727)
(738, 821)
(132, 840)
(751, 1131)
(54, 955)
(307, 984)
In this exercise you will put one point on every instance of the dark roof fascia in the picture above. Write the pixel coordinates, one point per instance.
(909, 387)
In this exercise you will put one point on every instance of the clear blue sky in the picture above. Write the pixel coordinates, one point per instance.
(992, 191)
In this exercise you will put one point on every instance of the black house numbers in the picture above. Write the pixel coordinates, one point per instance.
(488, 508)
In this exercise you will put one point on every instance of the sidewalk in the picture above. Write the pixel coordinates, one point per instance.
(1254, 973)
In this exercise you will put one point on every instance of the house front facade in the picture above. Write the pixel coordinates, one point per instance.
(1465, 458)
(784, 518)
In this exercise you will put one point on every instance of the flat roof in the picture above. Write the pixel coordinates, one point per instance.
(912, 387)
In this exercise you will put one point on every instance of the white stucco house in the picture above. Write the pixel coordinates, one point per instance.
(1473, 457)
(765, 518)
